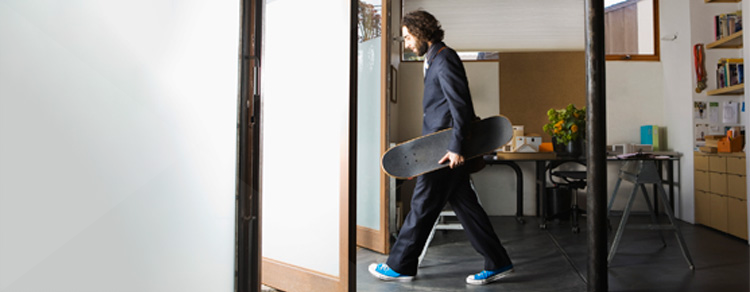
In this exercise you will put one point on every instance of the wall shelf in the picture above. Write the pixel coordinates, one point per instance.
(734, 41)
(738, 89)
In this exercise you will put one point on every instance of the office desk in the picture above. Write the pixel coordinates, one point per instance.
(543, 159)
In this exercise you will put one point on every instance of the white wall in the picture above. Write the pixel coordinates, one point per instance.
(677, 60)
(117, 153)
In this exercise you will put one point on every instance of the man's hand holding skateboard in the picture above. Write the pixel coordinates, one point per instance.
(456, 160)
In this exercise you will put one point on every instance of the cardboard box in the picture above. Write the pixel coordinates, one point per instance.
(701, 161)
(726, 145)
(617, 149)
(713, 140)
(517, 132)
(635, 148)
(707, 149)
(528, 143)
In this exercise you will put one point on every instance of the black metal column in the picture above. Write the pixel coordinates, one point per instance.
(596, 135)
(247, 258)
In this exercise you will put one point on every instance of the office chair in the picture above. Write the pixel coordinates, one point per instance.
(574, 180)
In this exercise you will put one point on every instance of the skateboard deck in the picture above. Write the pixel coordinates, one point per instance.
(421, 155)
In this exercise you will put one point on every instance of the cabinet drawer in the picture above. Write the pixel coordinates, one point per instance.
(701, 180)
(717, 183)
(737, 186)
(736, 165)
(737, 217)
(718, 212)
(717, 163)
(701, 161)
(702, 207)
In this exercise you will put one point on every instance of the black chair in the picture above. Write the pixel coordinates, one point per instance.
(566, 176)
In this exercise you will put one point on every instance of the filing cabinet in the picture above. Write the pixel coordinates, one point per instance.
(721, 192)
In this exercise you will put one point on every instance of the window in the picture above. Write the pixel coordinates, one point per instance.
(631, 30)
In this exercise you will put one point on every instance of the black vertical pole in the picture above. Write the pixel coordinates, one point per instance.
(353, 68)
(247, 266)
(596, 134)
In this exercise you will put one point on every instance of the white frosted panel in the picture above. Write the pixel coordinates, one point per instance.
(117, 145)
(305, 89)
(368, 134)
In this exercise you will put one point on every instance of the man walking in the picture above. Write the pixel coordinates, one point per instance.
(446, 103)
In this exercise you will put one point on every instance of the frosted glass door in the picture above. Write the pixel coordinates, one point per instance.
(372, 231)
(305, 104)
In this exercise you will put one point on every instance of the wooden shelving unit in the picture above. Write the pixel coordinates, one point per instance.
(734, 41)
(738, 89)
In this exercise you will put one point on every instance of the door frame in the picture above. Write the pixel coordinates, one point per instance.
(378, 240)
(247, 213)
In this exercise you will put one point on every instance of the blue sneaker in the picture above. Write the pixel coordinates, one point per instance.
(486, 277)
(383, 272)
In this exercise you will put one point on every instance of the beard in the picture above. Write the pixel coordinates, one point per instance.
(421, 48)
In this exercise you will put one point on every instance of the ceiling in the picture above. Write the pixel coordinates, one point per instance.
(508, 25)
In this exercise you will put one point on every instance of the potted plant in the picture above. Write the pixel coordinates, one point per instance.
(566, 126)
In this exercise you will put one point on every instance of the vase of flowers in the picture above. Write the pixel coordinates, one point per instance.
(566, 126)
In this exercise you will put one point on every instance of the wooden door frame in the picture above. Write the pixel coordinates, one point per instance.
(378, 240)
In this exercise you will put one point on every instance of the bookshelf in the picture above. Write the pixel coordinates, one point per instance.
(731, 90)
(720, 184)
(734, 41)
(728, 40)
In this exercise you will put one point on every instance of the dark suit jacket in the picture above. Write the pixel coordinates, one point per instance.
(447, 101)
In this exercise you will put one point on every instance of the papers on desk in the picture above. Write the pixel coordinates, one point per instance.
(641, 155)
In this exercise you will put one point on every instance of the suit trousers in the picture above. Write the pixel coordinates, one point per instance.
(432, 192)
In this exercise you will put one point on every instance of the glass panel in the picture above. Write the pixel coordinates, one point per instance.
(368, 114)
(118, 147)
(305, 114)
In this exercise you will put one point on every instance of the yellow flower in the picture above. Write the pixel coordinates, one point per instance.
(574, 128)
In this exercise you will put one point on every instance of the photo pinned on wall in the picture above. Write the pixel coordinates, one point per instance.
(701, 131)
(699, 110)
(713, 112)
(731, 112)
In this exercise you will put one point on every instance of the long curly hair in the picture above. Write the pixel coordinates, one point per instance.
(423, 26)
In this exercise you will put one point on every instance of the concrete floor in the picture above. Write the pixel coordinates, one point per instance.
(555, 259)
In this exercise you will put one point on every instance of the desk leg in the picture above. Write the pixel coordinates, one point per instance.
(519, 188)
(519, 191)
(670, 178)
(541, 188)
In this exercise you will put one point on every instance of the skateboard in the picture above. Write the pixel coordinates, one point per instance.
(421, 155)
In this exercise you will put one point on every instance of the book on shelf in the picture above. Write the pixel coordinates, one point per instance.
(729, 72)
(726, 24)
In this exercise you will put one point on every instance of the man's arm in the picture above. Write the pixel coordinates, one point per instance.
(455, 86)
